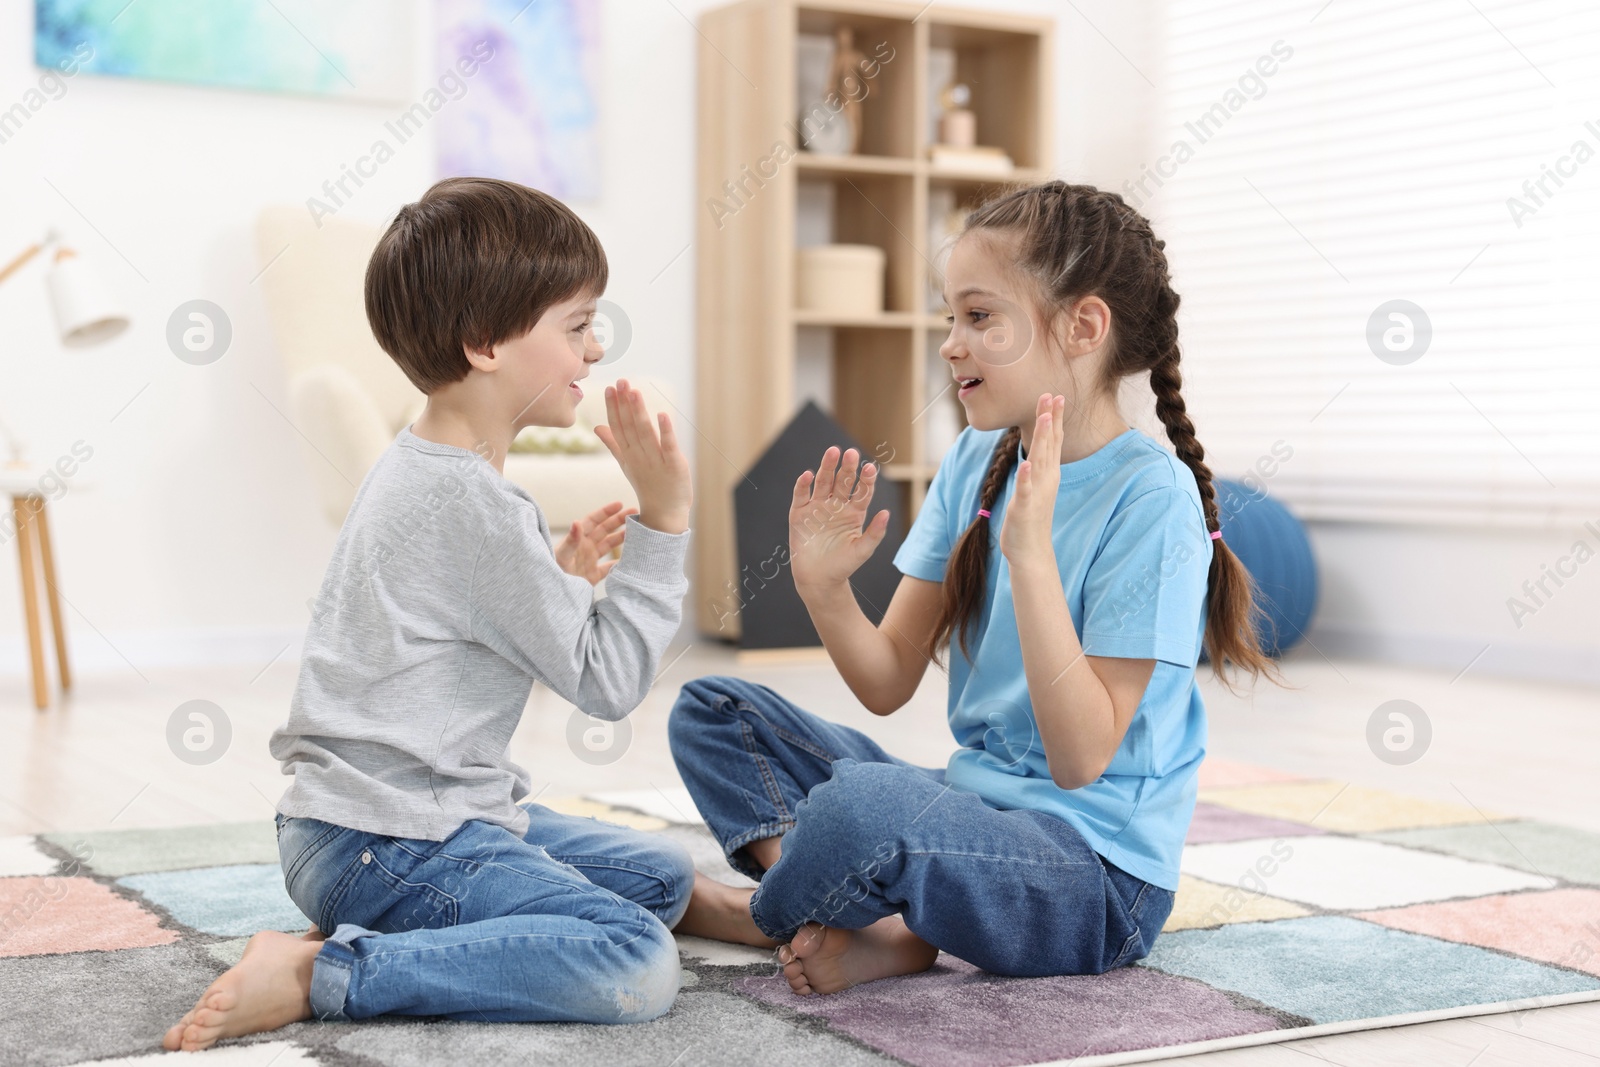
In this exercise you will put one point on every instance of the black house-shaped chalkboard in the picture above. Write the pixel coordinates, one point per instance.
(770, 612)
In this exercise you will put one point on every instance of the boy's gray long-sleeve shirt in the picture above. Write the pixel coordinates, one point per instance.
(442, 605)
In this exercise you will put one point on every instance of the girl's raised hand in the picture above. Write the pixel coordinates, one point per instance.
(1031, 513)
(827, 541)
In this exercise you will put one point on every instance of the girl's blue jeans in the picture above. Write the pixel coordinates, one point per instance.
(567, 923)
(866, 835)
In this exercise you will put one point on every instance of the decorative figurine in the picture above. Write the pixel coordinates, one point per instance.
(958, 125)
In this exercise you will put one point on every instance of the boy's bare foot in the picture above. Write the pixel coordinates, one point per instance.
(822, 959)
(269, 987)
(313, 934)
(721, 912)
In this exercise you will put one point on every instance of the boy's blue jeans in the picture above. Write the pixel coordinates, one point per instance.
(567, 923)
(866, 835)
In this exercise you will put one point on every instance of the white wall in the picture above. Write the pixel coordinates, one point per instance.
(191, 534)
(1438, 596)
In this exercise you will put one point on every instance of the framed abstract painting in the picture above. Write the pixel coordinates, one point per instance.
(532, 115)
(357, 49)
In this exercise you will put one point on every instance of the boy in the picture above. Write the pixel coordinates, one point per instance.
(443, 603)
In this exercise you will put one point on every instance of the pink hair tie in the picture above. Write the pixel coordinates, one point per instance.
(983, 512)
(1216, 535)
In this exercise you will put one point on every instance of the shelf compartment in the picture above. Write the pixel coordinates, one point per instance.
(871, 366)
(889, 97)
(875, 209)
(1006, 70)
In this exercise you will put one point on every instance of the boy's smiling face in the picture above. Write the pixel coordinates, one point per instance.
(541, 369)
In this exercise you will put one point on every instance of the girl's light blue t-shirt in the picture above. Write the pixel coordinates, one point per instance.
(1134, 555)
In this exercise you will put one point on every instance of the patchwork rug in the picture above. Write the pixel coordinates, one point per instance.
(1306, 907)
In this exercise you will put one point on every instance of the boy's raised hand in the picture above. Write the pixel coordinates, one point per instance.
(827, 542)
(583, 551)
(655, 466)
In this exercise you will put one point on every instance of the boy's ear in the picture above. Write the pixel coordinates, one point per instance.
(483, 359)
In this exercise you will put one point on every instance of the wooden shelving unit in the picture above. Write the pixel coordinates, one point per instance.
(749, 328)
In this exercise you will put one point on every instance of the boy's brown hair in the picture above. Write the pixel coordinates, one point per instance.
(475, 262)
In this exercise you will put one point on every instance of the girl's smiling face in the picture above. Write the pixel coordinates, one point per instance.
(1003, 352)
(996, 348)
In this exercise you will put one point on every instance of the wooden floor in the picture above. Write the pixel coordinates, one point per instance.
(101, 760)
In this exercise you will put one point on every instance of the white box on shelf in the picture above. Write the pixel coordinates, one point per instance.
(845, 280)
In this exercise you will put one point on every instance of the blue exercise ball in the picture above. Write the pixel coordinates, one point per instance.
(1273, 546)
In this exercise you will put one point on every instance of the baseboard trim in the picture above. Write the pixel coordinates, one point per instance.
(1545, 661)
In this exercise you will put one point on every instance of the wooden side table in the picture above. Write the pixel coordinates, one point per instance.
(37, 560)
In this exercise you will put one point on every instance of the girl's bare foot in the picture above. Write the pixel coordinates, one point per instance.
(765, 851)
(269, 987)
(822, 959)
(313, 934)
(721, 912)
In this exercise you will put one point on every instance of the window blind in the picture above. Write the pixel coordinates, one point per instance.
(1316, 163)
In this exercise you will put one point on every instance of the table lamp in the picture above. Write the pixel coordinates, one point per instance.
(85, 312)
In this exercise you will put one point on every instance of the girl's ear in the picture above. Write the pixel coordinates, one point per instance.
(1088, 323)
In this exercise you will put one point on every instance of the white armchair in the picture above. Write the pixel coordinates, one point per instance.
(347, 397)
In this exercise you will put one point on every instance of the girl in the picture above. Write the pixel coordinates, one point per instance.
(1050, 843)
